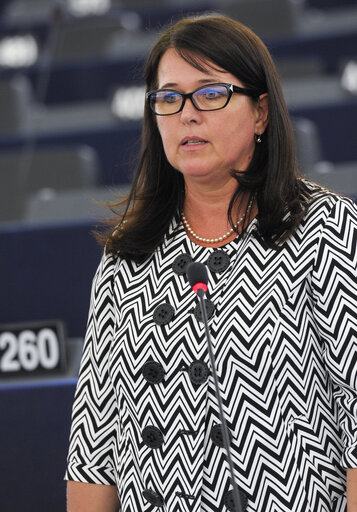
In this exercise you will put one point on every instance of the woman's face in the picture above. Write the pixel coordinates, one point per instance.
(224, 139)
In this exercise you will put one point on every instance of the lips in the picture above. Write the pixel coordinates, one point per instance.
(191, 141)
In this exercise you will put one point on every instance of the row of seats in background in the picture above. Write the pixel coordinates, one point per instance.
(71, 102)
(72, 84)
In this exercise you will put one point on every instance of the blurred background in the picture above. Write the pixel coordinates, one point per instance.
(71, 103)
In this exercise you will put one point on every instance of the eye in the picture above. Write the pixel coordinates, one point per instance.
(168, 97)
(212, 93)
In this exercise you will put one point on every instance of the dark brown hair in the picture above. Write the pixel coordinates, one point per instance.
(158, 190)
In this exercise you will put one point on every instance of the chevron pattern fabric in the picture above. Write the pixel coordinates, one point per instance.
(284, 329)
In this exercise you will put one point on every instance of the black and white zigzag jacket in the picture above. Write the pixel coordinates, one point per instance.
(284, 329)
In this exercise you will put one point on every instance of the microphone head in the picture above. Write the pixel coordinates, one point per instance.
(196, 273)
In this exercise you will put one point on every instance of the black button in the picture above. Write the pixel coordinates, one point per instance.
(209, 308)
(218, 261)
(180, 263)
(153, 497)
(152, 437)
(163, 314)
(198, 372)
(229, 502)
(217, 435)
(153, 372)
(187, 432)
(185, 496)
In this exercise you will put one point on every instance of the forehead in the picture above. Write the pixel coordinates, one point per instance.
(174, 70)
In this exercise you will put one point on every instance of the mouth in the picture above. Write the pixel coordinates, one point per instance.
(192, 141)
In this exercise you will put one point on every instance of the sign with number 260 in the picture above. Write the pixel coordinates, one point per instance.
(31, 348)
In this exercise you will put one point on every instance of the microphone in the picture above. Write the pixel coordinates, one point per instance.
(198, 279)
(197, 276)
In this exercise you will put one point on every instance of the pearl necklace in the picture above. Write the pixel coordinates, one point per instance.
(220, 238)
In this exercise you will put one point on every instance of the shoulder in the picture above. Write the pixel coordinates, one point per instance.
(325, 205)
(324, 211)
(106, 270)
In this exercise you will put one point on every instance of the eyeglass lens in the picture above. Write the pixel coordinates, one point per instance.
(205, 98)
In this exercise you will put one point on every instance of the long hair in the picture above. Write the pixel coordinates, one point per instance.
(158, 190)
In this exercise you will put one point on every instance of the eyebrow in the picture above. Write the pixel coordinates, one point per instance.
(210, 80)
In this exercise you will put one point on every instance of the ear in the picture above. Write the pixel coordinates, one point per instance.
(262, 114)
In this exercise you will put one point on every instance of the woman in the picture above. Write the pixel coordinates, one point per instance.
(218, 183)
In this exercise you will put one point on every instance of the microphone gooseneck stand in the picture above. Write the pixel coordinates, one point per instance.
(198, 279)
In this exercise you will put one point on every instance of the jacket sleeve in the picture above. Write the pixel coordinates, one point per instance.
(334, 283)
(92, 448)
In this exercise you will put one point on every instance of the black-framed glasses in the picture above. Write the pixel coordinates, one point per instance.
(165, 102)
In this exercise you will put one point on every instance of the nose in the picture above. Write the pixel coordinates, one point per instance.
(189, 112)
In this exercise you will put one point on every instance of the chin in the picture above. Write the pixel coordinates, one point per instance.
(197, 173)
(197, 168)
(203, 171)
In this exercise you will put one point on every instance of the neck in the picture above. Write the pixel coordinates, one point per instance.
(205, 214)
(207, 199)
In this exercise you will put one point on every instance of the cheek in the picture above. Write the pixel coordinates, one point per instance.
(167, 136)
(237, 137)
(236, 145)
(162, 130)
